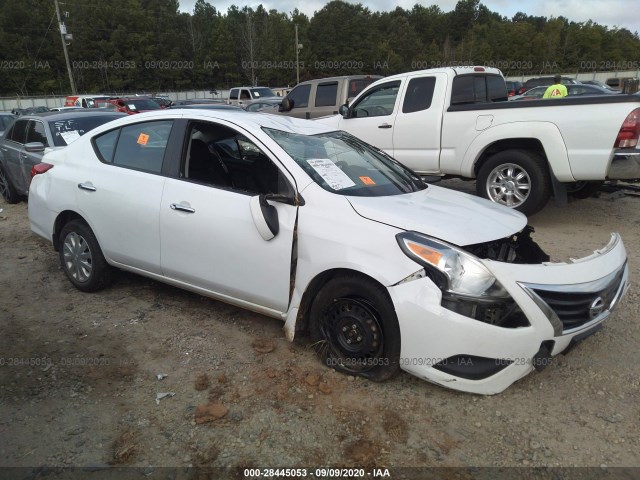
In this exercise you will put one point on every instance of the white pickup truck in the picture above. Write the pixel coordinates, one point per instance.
(457, 122)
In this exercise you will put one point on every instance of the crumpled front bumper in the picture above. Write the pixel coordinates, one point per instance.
(490, 358)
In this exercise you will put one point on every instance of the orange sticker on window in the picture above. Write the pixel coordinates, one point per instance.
(367, 181)
(143, 138)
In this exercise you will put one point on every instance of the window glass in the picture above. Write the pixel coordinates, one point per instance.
(244, 95)
(342, 164)
(419, 94)
(233, 94)
(66, 131)
(19, 131)
(300, 96)
(142, 146)
(105, 145)
(5, 121)
(326, 94)
(36, 133)
(379, 102)
(220, 156)
(357, 85)
(496, 89)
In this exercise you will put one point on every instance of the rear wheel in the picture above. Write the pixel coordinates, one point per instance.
(7, 189)
(81, 258)
(355, 328)
(518, 179)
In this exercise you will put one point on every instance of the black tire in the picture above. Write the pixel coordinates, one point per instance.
(496, 175)
(584, 190)
(81, 258)
(7, 190)
(355, 329)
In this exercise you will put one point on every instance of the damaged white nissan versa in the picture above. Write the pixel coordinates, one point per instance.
(293, 220)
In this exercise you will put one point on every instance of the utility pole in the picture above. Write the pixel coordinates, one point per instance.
(298, 47)
(63, 33)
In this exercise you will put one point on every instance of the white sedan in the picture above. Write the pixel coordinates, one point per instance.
(290, 219)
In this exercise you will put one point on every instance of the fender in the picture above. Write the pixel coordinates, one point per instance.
(546, 132)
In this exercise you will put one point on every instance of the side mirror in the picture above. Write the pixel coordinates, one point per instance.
(344, 110)
(265, 217)
(34, 147)
(286, 105)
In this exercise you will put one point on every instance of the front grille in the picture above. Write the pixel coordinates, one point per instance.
(580, 304)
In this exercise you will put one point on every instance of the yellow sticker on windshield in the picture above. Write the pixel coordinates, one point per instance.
(367, 180)
(143, 138)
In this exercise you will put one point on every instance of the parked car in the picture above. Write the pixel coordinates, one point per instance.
(207, 106)
(312, 226)
(457, 122)
(25, 141)
(128, 105)
(83, 101)
(6, 118)
(572, 91)
(198, 101)
(243, 95)
(515, 88)
(64, 109)
(323, 96)
(30, 110)
(546, 81)
(162, 101)
(597, 83)
(268, 105)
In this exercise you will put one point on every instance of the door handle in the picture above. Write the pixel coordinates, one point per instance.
(182, 208)
(87, 186)
(385, 125)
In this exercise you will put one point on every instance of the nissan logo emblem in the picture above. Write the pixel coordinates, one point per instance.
(596, 308)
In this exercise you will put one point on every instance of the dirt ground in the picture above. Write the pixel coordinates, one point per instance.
(78, 377)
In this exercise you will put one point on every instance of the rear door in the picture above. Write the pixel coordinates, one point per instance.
(119, 193)
(417, 128)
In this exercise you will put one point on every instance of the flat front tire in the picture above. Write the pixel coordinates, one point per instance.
(81, 257)
(355, 329)
(518, 179)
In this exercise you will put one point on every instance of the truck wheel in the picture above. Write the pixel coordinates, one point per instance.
(354, 327)
(518, 179)
(583, 189)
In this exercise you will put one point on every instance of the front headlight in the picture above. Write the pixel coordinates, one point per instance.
(451, 268)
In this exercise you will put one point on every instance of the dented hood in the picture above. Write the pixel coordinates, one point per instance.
(451, 216)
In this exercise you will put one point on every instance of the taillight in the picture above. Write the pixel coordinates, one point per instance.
(39, 168)
(629, 131)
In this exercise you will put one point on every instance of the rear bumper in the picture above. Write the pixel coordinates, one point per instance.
(625, 165)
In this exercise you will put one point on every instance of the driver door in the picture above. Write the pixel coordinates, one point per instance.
(209, 239)
(372, 118)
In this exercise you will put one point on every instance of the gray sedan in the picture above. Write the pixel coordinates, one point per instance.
(25, 140)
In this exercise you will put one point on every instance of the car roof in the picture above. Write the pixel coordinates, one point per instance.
(86, 112)
(241, 118)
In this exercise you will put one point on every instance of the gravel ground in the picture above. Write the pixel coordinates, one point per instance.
(78, 378)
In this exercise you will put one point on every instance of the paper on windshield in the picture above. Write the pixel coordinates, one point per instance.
(132, 106)
(331, 173)
(70, 136)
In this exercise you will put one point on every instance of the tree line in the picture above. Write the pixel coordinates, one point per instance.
(149, 45)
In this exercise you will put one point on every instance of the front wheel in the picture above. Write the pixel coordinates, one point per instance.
(81, 257)
(355, 329)
(518, 179)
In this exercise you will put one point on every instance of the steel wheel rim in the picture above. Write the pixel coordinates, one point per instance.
(509, 184)
(354, 334)
(78, 261)
(4, 185)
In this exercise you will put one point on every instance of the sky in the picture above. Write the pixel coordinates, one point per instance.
(612, 13)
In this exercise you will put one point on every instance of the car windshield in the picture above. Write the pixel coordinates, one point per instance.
(342, 164)
(142, 104)
(66, 131)
(262, 93)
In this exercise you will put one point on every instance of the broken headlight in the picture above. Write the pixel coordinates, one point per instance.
(451, 268)
(467, 286)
